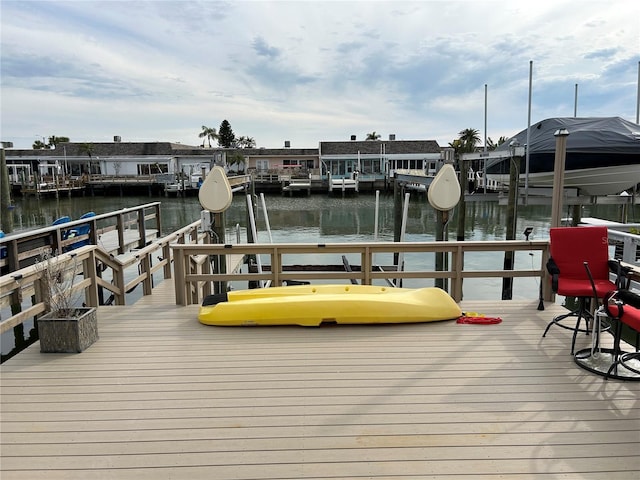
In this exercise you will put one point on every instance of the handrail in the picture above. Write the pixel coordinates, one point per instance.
(186, 281)
(20, 249)
(22, 284)
(629, 242)
(65, 226)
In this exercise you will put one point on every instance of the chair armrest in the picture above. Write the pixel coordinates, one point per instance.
(622, 273)
(629, 298)
(553, 269)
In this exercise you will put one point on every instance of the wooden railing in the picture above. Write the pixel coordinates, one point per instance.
(21, 249)
(191, 287)
(101, 273)
(195, 268)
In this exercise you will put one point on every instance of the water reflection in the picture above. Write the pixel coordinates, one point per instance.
(316, 218)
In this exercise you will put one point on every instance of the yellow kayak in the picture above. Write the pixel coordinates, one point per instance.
(312, 305)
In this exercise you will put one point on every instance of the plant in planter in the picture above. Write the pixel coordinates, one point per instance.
(67, 327)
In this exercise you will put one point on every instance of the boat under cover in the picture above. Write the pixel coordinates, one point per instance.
(603, 155)
(312, 305)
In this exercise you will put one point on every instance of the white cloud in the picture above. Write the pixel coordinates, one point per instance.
(307, 71)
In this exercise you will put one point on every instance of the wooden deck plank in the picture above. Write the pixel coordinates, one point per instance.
(162, 396)
(112, 446)
(386, 452)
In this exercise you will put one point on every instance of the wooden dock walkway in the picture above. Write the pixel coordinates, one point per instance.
(161, 396)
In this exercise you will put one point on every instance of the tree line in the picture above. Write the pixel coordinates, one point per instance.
(225, 137)
(468, 140)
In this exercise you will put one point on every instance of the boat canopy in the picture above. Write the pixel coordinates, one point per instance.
(604, 135)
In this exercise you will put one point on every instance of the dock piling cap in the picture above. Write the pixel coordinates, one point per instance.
(215, 192)
(444, 192)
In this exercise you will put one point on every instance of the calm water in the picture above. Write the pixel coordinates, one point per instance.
(318, 218)
(329, 219)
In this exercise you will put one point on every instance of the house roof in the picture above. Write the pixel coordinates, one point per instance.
(374, 146)
(73, 149)
(109, 149)
(272, 152)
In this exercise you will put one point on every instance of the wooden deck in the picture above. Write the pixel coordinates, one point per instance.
(160, 396)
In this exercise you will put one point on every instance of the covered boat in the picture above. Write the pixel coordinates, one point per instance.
(603, 155)
(312, 305)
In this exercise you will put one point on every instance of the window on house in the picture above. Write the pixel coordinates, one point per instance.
(152, 168)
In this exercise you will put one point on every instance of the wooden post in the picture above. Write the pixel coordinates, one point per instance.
(576, 215)
(180, 288)
(90, 271)
(6, 217)
(142, 228)
(166, 255)
(118, 280)
(158, 220)
(120, 229)
(507, 282)
(147, 283)
(16, 307)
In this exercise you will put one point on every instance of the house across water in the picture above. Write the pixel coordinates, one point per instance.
(166, 166)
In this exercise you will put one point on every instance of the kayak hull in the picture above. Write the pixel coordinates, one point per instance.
(312, 305)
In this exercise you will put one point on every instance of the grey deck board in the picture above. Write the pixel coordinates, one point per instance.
(161, 396)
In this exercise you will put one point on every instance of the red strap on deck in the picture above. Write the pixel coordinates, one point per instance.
(480, 320)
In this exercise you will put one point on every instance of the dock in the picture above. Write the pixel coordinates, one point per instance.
(297, 185)
(161, 396)
(343, 185)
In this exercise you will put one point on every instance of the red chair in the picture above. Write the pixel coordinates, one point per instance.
(624, 306)
(571, 248)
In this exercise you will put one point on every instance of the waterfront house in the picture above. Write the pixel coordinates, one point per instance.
(161, 163)
(379, 159)
(114, 158)
(152, 162)
(293, 160)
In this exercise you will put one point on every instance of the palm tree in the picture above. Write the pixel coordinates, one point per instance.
(209, 134)
(87, 148)
(373, 136)
(245, 142)
(457, 147)
(469, 137)
(54, 141)
(491, 145)
(235, 159)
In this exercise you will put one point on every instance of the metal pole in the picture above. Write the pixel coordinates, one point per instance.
(375, 217)
(403, 228)
(254, 232)
(266, 216)
(558, 176)
(485, 118)
(526, 161)
(575, 103)
(638, 97)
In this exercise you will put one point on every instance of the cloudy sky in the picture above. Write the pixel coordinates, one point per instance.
(307, 71)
